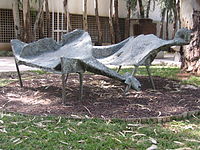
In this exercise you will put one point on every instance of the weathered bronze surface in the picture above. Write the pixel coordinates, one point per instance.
(75, 54)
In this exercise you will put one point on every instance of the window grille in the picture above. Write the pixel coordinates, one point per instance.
(56, 27)
(6, 26)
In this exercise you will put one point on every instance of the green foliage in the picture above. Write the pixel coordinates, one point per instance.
(32, 132)
(162, 71)
(133, 3)
(192, 80)
(165, 72)
(39, 72)
(6, 53)
(4, 82)
(169, 6)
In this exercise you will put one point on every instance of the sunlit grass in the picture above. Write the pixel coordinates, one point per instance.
(165, 72)
(31, 132)
(192, 80)
(39, 72)
(4, 82)
(161, 71)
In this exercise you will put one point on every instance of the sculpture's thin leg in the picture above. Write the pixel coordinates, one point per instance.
(81, 85)
(19, 75)
(63, 82)
(118, 70)
(127, 89)
(134, 70)
(150, 77)
(66, 77)
(133, 73)
(63, 89)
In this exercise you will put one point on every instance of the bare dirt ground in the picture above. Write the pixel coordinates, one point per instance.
(103, 97)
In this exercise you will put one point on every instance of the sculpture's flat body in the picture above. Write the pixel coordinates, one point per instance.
(46, 53)
(137, 51)
(75, 49)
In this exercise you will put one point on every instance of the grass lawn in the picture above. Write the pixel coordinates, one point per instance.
(30, 132)
(165, 72)
(34, 132)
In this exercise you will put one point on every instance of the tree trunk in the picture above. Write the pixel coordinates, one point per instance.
(116, 21)
(175, 21)
(100, 36)
(67, 15)
(15, 7)
(38, 21)
(148, 8)
(41, 25)
(178, 14)
(191, 53)
(127, 22)
(167, 25)
(141, 8)
(162, 23)
(85, 22)
(47, 18)
(27, 21)
(112, 35)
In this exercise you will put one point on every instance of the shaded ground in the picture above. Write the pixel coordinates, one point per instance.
(103, 97)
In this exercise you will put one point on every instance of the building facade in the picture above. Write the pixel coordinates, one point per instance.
(58, 25)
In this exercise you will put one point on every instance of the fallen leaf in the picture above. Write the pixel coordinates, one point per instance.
(64, 143)
(153, 140)
(3, 130)
(153, 147)
(184, 148)
(179, 143)
(189, 127)
(122, 134)
(39, 124)
(138, 134)
(81, 141)
(19, 142)
(134, 125)
(32, 132)
(155, 132)
(16, 140)
(79, 123)
(47, 121)
(97, 137)
(192, 140)
(159, 114)
(117, 140)
(36, 93)
(59, 120)
(76, 116)
(71, 130)
(128, 131)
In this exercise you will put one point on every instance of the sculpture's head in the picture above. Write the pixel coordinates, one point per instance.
(183, 35)
(132, 82)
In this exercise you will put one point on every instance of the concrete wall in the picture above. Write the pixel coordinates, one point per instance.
(5, 46)
(187, 7)
(76, 7)
(7, 4)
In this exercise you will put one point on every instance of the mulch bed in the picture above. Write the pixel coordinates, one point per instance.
(103, 97)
